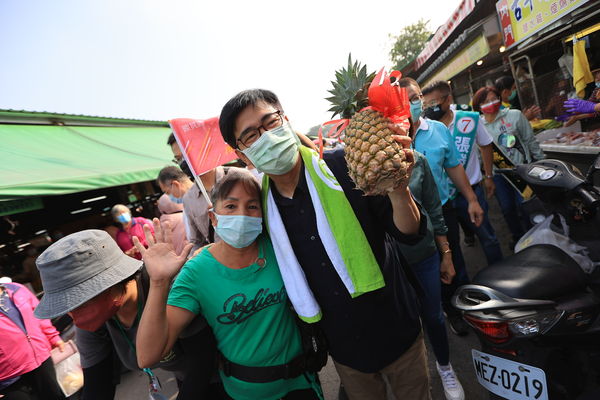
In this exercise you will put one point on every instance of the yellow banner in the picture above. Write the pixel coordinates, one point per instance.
(529, 16)
(474, 52)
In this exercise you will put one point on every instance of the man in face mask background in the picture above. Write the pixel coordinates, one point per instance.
(470, 125)
(507, 87)
(130, 227)
(433, 139)
(329, 240)
(175, 183)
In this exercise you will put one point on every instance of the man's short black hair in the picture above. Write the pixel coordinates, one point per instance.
(441, 86)
(237, 104)
(169, 174)
(504, 82)
(171, 139)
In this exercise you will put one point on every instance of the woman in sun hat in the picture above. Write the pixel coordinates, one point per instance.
(87, 276)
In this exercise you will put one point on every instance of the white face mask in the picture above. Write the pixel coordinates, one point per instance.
(275, 152)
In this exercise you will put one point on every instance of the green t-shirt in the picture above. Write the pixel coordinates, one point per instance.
(248, 312)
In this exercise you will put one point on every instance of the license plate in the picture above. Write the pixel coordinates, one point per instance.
(509, 379)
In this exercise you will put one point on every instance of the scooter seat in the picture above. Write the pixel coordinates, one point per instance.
(542, 272)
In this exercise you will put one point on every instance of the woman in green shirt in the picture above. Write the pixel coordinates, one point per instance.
(236, 285)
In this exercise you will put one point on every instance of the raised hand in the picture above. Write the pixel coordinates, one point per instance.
(160, 259)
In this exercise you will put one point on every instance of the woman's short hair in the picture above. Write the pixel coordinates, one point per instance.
(480, 96)
(226, 184)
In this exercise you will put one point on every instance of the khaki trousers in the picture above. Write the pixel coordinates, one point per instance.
(408, 377)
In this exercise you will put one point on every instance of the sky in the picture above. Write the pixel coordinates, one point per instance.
(157, 60)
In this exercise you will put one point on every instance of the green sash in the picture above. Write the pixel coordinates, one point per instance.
(340, 232)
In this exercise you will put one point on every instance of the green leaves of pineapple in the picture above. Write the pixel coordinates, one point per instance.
(350, 89)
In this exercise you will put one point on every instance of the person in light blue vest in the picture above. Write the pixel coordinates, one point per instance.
(468, 129)
(435, 142)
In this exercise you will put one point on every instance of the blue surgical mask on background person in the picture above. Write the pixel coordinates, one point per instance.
(416, 107)
(238, 230)
(176, 200)
(597, 84)
(275, 152)
(124, 218)
(513, 95)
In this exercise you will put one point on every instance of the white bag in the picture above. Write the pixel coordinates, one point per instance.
(546, 233)
(68, 368)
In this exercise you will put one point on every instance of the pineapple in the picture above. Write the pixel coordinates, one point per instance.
(376, 162)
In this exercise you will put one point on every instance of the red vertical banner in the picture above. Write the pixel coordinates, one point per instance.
(505, 22)
(201, 143)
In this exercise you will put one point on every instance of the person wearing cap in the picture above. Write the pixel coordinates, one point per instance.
(26, 369)
(86, 275)
(130, 227)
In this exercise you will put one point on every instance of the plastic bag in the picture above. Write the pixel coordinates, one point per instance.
(547, 233)
(68, 368)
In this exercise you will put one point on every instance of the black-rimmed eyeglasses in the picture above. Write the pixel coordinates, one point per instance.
(269, 121)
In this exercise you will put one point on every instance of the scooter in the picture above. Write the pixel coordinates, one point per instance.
(536, 313)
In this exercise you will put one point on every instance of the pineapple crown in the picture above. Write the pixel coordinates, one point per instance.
(350, 89)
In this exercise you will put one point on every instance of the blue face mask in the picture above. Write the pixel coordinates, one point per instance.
(176, 200)
(597, 84)
(124, 218)
(415, 110)
(238, 230)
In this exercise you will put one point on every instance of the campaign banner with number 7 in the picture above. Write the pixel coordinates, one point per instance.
(201, 143)
(464, 133)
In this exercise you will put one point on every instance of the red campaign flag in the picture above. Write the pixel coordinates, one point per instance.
(201, 143)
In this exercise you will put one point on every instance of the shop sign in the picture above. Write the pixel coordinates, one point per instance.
(520, 19)
(9, 207)
(474, 52)
(465, 7)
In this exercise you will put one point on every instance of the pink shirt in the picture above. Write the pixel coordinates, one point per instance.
(19, 353)
(136, 229)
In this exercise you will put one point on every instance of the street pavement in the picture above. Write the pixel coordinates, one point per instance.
(134, 384)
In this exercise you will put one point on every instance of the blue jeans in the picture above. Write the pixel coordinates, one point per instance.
(461, 277)
(428, 273)
(510, 201)
(485, 232)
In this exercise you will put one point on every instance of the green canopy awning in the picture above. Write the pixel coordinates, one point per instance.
(45, 160)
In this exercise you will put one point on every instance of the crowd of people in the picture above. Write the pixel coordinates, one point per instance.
(224, 291)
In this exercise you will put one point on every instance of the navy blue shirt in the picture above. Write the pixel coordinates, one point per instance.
(370, 331)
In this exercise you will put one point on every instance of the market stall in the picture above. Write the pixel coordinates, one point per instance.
(554, 53)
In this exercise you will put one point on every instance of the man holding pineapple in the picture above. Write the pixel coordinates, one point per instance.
(329, 239)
